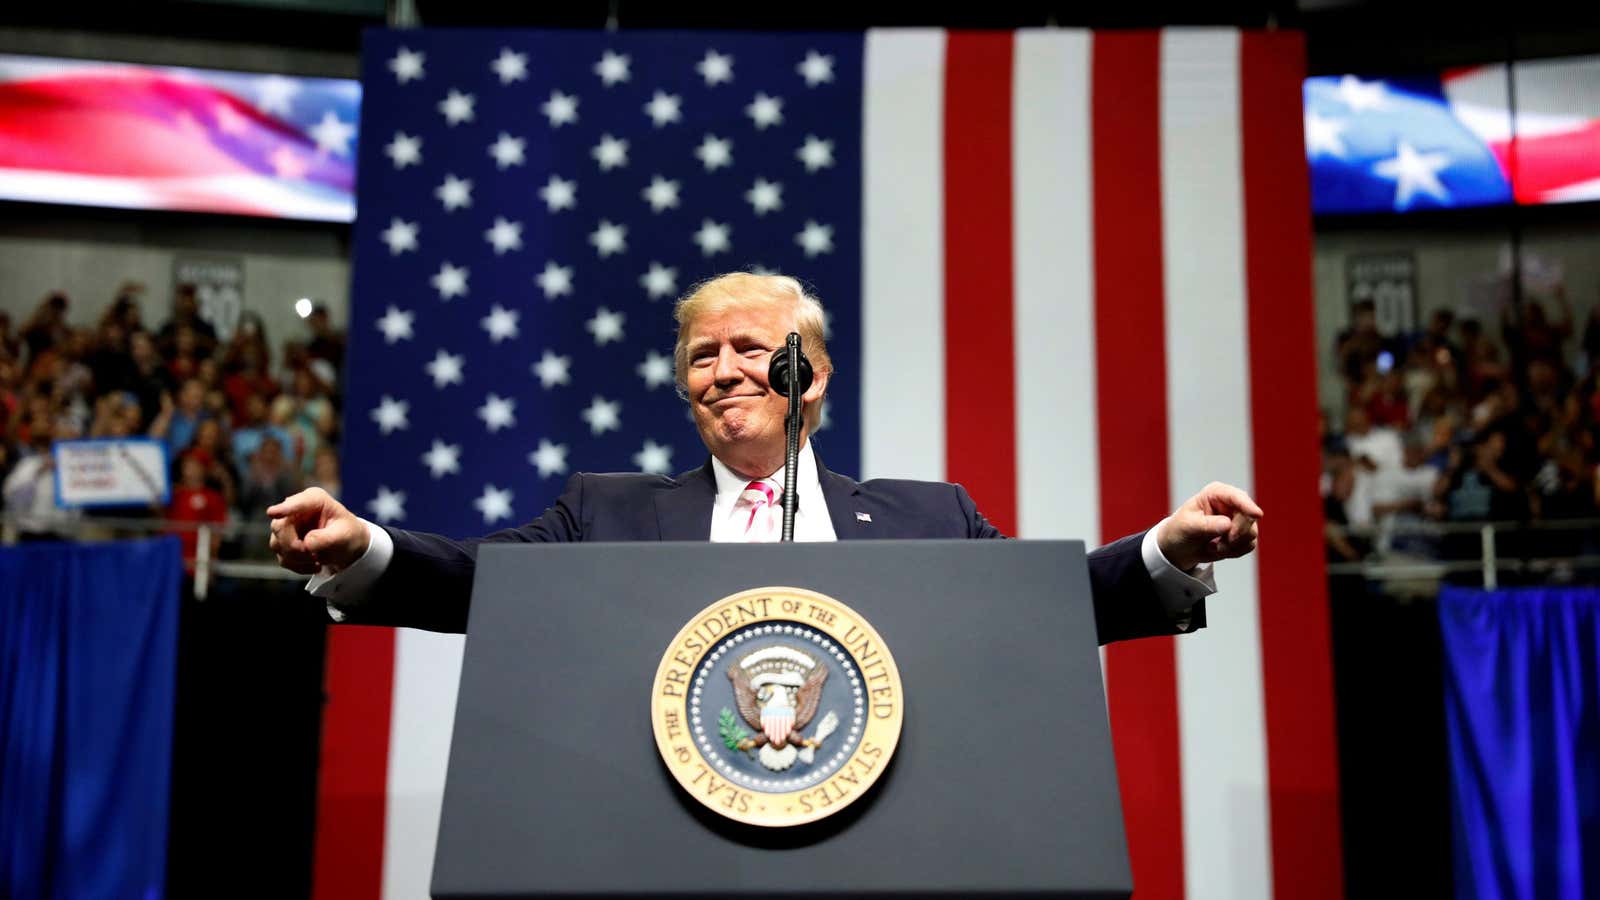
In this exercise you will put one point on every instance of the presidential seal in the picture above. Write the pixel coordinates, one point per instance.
(777, 706)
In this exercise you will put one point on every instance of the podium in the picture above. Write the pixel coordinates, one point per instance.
(1002, 782)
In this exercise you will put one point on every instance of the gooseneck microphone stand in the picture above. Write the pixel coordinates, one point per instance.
(790, 375)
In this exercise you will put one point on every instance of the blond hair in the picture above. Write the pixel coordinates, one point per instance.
(749, 291)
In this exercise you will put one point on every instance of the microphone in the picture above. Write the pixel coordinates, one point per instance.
(789, 370)
(778, 369)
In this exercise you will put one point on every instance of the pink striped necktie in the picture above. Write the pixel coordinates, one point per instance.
(765, 514)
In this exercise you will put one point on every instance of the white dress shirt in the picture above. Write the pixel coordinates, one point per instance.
(1178, 591)
(811, 522)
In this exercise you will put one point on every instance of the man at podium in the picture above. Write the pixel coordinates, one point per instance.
(1150, 583)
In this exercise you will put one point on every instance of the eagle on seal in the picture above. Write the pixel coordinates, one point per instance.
(778, 701)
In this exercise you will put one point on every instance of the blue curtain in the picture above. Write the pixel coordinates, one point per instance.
(1522, 696)
(88, 659)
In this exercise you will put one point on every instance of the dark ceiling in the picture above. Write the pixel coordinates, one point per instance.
(1379, 36)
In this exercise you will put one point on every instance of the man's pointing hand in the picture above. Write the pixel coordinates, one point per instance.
(1217, 523)
(311, 530)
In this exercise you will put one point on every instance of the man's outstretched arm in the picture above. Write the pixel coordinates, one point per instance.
(376, 575)
(1154, 582)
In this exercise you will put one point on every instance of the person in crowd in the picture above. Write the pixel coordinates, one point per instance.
(1380, 445)
(284, 415)
(247, 364)
(71, 379)
(251, 428)
(110, 360)
(29, 489)
(1481, 360)
(325, 471)
(1436, 337)
(10, 344)
(116, 415)
(196, 501)
(183, 360)
(125, 310)
(151, 379)
(269, 478)
(1387, 404)
(186, 314)
(1531, 335)
(215, 455)
(326, 343)
(47, 327)
(1476, 485)
(311, 416)
(10, 395)
(1357, 346)
(177, 424)
(1339, 487)
(1590, 343)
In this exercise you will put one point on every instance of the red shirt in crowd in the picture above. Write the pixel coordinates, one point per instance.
(240, 386)
(201, 504)
(1388, 410)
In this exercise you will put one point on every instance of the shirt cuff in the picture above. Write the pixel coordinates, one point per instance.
(348, 587)
(1177, 590)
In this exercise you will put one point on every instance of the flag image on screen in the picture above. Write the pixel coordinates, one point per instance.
(1397, 145)
(1474, 136)
(156, 137)
(1556, 155)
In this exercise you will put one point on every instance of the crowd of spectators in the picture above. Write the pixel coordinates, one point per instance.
(240, 433)
(1465, 423)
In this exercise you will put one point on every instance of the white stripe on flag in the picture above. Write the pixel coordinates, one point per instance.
(902, 271)
(1221, 719)
(427, 669)
(1058, 472)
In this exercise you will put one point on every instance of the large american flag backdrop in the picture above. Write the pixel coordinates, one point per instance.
(1070, 270)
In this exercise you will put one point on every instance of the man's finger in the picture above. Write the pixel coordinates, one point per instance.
(1215, 527)
(295, 505)
(292, 543)
(1242, 523)
(1233, 498)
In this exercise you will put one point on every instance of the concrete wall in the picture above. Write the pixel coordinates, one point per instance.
(172, 51)
(89, 254)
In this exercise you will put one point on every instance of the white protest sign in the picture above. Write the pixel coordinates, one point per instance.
(111, 472)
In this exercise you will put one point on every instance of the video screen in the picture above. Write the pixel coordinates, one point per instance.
(156, 137)
(1478, 136)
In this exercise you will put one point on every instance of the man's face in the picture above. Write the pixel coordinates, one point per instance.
(734, 408)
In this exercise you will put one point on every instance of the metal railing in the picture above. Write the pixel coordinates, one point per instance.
(1491, 560)
(206, 568)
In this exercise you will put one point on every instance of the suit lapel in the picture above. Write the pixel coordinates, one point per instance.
(683, 513)
(843, 505)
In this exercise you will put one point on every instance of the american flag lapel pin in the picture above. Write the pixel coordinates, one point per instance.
(864, 517)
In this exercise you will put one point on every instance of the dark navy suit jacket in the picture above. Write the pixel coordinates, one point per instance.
(428, 583)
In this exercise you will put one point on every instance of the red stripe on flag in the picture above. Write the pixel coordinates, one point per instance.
(1545, 163)
(352, 788)
(1296, 634)
(1141, 676)
(980, 411)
